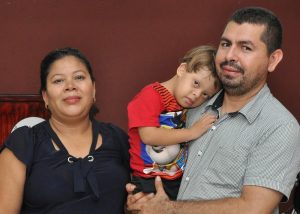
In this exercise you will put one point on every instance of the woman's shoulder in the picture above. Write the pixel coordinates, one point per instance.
(111, 130)
(27, 136)
(109, 126)
(23, 140)
(19, 137)
(40, 131)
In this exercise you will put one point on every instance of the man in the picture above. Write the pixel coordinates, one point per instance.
(249, 159)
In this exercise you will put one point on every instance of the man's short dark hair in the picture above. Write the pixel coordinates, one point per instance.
(272, 36)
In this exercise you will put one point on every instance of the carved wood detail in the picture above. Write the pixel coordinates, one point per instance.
(14, 108)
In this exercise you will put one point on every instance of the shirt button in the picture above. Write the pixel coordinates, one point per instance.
(213, 127)
(200, 153)
(187, 178)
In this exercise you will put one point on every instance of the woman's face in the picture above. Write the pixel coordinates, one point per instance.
(70, 91)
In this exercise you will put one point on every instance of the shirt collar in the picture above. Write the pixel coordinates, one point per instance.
(250, 110)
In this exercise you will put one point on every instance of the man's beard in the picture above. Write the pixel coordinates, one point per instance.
(231, 85)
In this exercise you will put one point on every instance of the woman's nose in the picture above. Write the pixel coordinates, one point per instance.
(70, 85)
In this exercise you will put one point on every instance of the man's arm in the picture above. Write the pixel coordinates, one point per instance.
(164, 136)
(253, 200)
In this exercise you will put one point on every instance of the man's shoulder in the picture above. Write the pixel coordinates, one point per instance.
(267, 109)
(195, 113)
(276, 111)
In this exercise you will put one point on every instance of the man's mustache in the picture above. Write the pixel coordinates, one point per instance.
(233, 65)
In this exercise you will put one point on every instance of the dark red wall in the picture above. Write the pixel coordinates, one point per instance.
(130, 43)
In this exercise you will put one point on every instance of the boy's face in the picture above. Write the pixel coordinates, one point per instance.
(192, 89)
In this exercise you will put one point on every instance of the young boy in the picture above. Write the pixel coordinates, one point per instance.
(156, 121)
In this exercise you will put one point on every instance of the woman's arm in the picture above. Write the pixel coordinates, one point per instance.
(12, 179)
(164, 136)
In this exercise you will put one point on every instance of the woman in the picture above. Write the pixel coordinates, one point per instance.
(70, 163)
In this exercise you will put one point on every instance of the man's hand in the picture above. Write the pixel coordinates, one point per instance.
(138, 197)
(148, 203)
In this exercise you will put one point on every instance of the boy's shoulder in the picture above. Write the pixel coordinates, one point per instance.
(149, 90)
(147, 95)
(151, 86)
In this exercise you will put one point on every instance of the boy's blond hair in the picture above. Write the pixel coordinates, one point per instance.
(202, 57)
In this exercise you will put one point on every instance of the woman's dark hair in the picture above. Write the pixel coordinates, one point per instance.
(57, 54)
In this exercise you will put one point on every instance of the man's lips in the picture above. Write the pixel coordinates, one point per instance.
(72, 99)
(231, 72)
(230, 69)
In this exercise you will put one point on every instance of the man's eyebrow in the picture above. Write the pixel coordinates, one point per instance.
(242, 42)
(246, 42)
(225, 39)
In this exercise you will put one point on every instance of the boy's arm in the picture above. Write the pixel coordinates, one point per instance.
(164, 136)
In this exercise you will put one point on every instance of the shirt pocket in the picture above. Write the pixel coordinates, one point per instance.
(227, 168)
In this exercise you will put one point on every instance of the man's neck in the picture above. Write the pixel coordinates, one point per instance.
(234, 103)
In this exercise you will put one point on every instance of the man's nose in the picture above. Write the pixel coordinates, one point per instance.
(231, 54)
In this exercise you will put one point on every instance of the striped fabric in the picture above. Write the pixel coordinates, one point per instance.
(168, 99)
(259, 145)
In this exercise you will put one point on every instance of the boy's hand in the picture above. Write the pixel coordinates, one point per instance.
(202, 125)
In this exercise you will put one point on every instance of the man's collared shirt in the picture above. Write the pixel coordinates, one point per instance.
(258, 145)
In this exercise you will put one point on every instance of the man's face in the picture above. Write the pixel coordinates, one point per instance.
(242, 59)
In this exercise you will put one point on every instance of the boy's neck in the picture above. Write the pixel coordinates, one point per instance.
(169, 84)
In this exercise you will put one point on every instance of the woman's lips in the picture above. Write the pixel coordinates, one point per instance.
(72, 99)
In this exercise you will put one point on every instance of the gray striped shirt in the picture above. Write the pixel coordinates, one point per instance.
(259, 145)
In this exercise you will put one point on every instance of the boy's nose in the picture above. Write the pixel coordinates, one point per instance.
(197, 92)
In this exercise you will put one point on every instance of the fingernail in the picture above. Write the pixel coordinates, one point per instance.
(151, 195)
(158, 178)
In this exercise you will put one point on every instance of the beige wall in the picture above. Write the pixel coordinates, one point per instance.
(129, 43)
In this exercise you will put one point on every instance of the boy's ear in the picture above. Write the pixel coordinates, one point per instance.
(274, 59)
(181, 69)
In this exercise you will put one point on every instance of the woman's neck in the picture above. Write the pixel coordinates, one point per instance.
(70, 127)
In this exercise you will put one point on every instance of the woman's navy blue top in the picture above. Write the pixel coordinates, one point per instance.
(58, 183)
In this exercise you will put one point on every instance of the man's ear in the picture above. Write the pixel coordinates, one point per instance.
(274, 59)
(182, 68)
